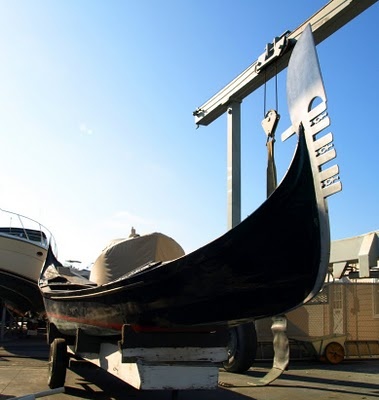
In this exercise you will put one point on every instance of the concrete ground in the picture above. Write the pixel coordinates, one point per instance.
(23, 371)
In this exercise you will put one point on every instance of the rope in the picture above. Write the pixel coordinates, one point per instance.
(264, 97)
(276, 88)
(265, 92)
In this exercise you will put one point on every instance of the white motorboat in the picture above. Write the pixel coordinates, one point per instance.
(23, 249)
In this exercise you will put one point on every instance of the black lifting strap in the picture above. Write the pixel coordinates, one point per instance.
(279, 322)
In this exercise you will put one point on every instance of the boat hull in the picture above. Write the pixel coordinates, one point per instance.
(23, 252)
(21, 258)
(273, 261)
(19, 294)
(266, 265)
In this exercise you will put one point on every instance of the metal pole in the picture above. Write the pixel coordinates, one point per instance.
(234, 164)
(3, 322)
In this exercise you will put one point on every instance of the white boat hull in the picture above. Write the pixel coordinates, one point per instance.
(24, 245)
(21, 258)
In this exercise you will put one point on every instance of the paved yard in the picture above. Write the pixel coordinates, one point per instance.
(23, 370)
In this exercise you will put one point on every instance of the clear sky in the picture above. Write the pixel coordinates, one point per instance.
(96, 126)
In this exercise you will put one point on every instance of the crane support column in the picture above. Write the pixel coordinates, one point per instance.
(234, 164)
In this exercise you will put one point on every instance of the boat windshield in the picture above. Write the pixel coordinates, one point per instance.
(13, 224)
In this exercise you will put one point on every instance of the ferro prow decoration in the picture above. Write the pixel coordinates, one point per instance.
(307, 104)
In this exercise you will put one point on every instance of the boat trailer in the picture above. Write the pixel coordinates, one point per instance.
(145, 360)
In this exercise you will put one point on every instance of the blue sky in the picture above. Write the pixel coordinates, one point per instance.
(96, 126)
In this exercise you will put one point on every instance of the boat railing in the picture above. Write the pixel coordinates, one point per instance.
(25, 228)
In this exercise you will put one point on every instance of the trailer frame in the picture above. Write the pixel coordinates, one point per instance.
(144, 360)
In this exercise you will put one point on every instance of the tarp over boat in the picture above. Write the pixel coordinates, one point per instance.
(123, 255)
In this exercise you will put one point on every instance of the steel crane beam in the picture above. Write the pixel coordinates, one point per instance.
(324, 22)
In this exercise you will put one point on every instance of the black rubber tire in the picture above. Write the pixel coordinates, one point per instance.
(242, 348)
(57, 365)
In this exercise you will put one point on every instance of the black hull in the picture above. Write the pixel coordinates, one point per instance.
(273, 261)
(20, 294)
(266, 265)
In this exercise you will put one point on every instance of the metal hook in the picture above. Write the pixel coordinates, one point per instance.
(270, 123)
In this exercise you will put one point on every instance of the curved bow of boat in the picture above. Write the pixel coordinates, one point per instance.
(307, 104)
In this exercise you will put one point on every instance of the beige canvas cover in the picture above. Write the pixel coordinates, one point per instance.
(124, 255)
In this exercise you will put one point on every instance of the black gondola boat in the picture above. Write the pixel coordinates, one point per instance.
(273, 261)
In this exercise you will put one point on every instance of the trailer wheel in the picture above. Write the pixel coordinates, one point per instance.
(57, 363)
(334, 353)
(242, 348)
